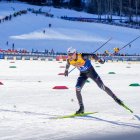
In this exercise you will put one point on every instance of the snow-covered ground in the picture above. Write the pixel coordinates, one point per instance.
(26, 31)
(28, 102)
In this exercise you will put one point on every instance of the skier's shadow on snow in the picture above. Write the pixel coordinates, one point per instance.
(26, 112)
(119, 123)
(86, 118)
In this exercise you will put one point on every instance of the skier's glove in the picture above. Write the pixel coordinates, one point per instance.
(101, 60)
(66, 73)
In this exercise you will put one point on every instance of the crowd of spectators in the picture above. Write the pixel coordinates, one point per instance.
(15, 14)
(39, 11)
(24, 51)
(116, 22)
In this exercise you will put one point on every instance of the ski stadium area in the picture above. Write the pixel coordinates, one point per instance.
(34, 93)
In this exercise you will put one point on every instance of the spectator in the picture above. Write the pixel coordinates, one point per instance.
(13, 46)
(50, 25)
(7, 43)
(52, 52)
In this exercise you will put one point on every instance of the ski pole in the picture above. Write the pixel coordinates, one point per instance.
(127, 108)
(94, 52)
(71, 70)
(130, 42)
(103, 44)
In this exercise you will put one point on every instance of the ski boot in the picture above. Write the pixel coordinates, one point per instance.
(119, 101)
(80, 111)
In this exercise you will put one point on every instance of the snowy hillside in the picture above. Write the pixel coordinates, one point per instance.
(26, 31)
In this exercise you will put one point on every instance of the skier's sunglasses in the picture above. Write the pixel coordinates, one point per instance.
(70, 54)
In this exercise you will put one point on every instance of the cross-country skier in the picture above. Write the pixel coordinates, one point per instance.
(83, 63)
